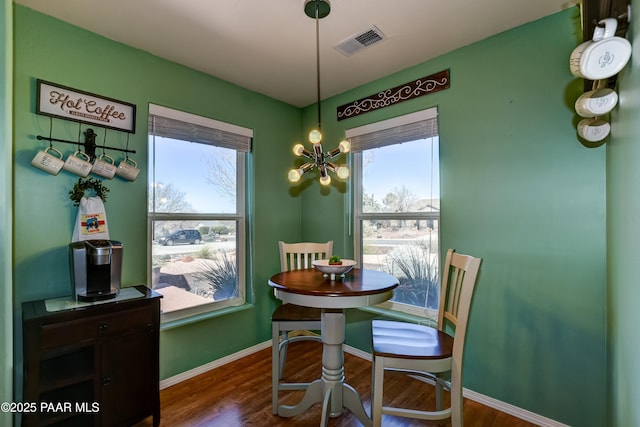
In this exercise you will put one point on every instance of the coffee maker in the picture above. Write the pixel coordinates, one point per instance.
(96, 267)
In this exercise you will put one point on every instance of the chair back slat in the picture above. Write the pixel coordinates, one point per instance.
(296, 256)
(455, 286)
(458, 280)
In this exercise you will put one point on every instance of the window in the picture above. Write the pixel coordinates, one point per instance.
(196, 214)
(397, 206)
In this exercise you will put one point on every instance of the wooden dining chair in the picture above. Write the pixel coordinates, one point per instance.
(426, 351)
(290, 317)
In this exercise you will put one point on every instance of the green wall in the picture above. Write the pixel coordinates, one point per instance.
(623, 229)
(6, 325)
(52, 50)
(519, 190)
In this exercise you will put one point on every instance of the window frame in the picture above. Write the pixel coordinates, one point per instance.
(239, 217)
(358, 216)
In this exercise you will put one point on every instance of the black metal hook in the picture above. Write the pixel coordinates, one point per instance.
(89, 143)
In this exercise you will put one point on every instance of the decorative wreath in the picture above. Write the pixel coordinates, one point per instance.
(88, 184)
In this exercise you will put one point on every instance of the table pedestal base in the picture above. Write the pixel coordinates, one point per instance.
(331, 389)
(314, 394)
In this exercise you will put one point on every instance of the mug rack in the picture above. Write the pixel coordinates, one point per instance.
(89, 143)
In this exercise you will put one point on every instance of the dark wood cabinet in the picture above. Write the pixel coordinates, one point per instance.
(92, 364)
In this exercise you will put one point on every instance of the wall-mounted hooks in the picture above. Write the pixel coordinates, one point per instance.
(89, 143)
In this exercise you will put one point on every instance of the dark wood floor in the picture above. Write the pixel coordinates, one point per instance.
(239, 394)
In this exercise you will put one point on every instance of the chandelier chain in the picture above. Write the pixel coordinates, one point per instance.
(318, 60)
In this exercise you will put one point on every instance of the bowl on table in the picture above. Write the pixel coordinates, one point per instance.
(323, 266)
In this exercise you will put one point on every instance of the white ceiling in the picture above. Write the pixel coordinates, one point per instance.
(270, 47)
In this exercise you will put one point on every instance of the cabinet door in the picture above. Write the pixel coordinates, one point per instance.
(129, 384)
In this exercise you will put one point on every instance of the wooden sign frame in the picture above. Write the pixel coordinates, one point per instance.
(63, 102)
(415, 89)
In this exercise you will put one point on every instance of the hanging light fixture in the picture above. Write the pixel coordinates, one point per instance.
(319, 9)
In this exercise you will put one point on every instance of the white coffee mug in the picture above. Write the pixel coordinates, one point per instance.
(128, 169)
(78, 163)
(596, 102)
(593, 129)
(603, 56)
(104, 166)
(48, 162)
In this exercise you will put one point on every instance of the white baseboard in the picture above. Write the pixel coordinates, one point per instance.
(168, 382)
(357, 352)
(499, 405)
(517, 412)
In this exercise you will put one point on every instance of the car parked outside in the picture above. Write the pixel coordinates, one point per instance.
(181, 237)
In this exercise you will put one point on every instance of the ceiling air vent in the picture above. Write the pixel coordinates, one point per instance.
(360, 41)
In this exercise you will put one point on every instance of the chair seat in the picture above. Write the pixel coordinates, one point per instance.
(410, 341)
(292, 312)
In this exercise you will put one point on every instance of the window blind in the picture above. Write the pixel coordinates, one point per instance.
(410, 127)
(199, 129)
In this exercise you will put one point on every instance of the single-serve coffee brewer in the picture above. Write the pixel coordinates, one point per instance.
(96, 267)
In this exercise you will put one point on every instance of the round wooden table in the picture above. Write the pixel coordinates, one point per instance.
(308, 287)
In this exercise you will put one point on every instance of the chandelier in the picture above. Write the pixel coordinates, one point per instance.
(319, 9)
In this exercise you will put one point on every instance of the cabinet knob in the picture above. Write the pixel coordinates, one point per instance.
(103, 328)
(106, 381)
